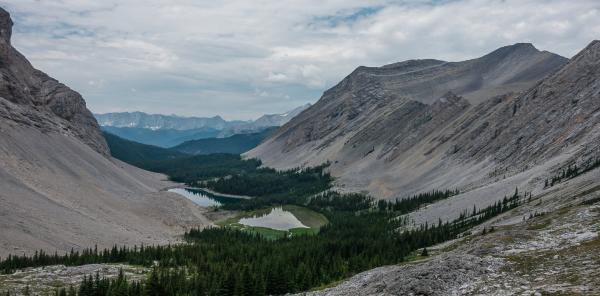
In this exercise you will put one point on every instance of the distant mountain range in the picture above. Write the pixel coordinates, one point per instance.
(171, 130)
(162, 122)
(141, 155)
(174, 122)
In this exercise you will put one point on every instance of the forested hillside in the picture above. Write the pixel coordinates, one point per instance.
(235, 144)
(136, 153)
(163, 137)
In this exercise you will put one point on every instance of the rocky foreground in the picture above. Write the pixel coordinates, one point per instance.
(45, 280)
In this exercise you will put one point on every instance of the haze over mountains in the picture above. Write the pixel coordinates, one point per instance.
(171, 130)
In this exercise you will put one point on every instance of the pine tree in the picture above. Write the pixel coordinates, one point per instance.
(152, 286)
(72, 291)
(424, 253)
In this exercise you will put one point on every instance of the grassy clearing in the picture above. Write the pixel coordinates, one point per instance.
(308, 217)
(415, 257)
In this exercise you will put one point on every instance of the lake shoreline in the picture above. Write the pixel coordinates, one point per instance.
(218, 193)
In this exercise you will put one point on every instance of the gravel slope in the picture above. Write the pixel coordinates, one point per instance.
(57, 193)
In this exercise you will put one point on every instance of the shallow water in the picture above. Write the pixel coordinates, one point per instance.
(203, 198)
(277, 218)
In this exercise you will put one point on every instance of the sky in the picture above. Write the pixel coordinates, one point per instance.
(241, 59)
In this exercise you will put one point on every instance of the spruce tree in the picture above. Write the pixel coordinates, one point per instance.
(72, 291)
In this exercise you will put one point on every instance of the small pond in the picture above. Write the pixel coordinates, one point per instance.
(204, 198)
(275, 218)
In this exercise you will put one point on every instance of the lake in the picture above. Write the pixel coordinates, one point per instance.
(203, 198)
(275, 218)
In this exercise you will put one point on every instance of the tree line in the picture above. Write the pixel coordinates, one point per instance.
(572, 171)
(270, 187)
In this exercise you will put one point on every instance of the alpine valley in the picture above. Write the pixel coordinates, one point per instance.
(422, 177)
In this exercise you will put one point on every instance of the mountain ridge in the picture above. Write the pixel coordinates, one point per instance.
(138, 119)
(383, 140)
(171, 130)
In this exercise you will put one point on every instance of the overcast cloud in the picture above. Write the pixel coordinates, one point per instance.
(240, 59)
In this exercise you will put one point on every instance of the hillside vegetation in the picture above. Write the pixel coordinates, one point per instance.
(236, 144)
(163, 137)
(136, 153)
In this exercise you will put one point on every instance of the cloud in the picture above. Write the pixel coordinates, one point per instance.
(210, 57)
(277, 77)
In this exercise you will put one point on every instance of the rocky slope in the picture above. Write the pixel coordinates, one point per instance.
(59, 188)
(553, 253)
(427, 124)
(483, 142)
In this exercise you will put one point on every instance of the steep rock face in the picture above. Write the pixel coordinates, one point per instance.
(425, 124)
(59, 187)
(39, 99)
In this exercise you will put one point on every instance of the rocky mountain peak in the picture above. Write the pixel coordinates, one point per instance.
(522, 45)
(515, 49)
(5, 25)
(386, 128)
(590, 54)
(30, 97)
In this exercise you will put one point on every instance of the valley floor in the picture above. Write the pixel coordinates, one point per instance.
(556, 252)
